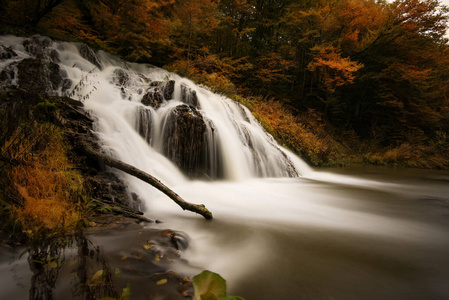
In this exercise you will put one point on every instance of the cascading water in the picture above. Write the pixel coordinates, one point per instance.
(202, 133)
(301, 235)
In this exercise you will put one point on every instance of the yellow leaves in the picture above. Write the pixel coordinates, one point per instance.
(98, 276)
(147, 247)
(161, 282)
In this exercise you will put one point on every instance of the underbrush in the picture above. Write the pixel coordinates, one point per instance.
(52, 190)
(43, 193)
(410, 156)
(304, 133)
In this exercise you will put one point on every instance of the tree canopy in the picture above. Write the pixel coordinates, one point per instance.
(375, 68)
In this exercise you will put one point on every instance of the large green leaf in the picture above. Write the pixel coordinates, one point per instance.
(209, 286)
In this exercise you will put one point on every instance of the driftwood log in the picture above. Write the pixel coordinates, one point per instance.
(133, 171)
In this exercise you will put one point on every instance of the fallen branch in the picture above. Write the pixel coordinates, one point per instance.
(133, 171)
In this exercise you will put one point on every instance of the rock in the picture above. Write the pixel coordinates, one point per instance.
(121, 77)
(6, 77)
(108, 186)
(153, 98)
(90, 55)
(6, 52)
(121, 80)
(144, 123)
(40, 48)
(39, 76)
(184, 140)
(189, 96)
(168, 88)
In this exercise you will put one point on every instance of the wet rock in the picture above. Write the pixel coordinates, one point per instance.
(121, 78)
(39, 76)
(189, 96)
(90, 55)
(184, 140)
(144, 123)
(7, 77)
(6, 53)
(153, 98)
(168, 88)
(66, 84)
(39, 47)
(108, 186)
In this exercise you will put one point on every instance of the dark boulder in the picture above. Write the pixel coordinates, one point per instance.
(121, 78)
(6, 52)
(38, 76)
(189, 96)
(153, 98)
(6, 77)
(184, 140)
(168, 88)
(144, 123)
(90, 55)
(39, 47)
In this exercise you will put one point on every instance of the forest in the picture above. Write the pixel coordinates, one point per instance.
(337, 81)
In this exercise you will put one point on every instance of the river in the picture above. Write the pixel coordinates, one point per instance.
(281, 230)
(366, 233)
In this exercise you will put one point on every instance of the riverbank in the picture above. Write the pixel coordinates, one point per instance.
(310, 136)
(61, 208)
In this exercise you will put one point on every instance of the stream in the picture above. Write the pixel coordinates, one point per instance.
(281, 229)
(341, 234)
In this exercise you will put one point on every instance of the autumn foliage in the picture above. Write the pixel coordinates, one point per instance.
(50, 188)
(377, 70)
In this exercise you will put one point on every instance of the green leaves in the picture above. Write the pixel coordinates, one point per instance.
(211, 286)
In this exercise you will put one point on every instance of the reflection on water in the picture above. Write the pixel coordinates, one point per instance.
(360, 234)
(122, 264)
(46, 262)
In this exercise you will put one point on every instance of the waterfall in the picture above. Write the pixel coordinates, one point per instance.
(310, 236)
(150, 118)
(156, 120)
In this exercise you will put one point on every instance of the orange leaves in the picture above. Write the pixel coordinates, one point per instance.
(272, 67)
(332, 69)
(305, 133)
(50, 188)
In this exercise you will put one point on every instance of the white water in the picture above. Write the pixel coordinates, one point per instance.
(316, 236)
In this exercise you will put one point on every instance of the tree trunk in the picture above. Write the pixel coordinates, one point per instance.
(112, 162)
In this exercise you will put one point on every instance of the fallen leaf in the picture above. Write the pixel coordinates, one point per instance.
(98, 275)
(161, 282)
